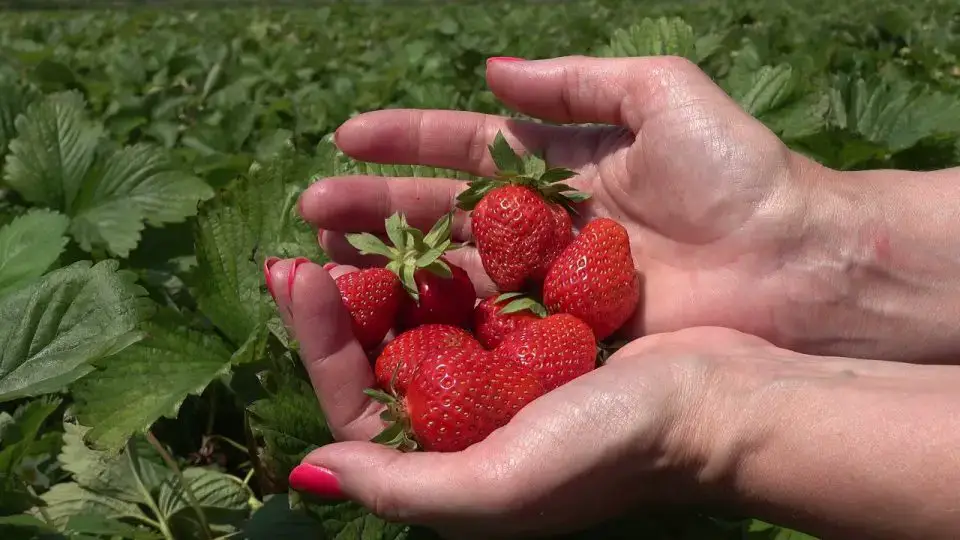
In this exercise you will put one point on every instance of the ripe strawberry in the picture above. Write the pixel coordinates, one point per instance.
(443, 300)
(519, 217)
(372, 296)
(497, 316)
(594, 278)
(437, 291)
(456, 398)
(400, 357)
(558, 349)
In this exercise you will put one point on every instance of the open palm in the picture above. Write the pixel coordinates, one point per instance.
(709, 195)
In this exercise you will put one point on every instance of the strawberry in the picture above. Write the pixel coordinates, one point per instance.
(437, 290)
(495, 318)
(400, 357)
(557, 349)
(594, 278)
(519, 219)
(372, 297)
(456, 398)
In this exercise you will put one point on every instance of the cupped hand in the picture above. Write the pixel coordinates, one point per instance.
(636, 431)
(715, 204)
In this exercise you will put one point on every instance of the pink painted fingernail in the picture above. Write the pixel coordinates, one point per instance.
(293, 274)
(267, 264)
(315, 480)
(504, 59)
(329, 266)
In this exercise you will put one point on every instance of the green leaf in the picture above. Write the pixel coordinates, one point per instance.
(55, 148)
(440, 231)
(52, 329)
(67, 500)
(110, 197)
(99, 525)
(557, 174)
(769, 88)
(222, 498)
(19, 432)
(14, 100)
(503, 155)
(522, 304)
(368, 244)
(370, 527)
(275, 520)
(117, 476)
(395, 226)
(895, 114)
(429, 257)
(653, 37)
(29, 245)
(132, 187)
(290, 421)
(254, 218)
(27, 527)
(407, 273)
(134, 388)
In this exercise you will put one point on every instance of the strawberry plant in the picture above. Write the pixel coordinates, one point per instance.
(150, 162)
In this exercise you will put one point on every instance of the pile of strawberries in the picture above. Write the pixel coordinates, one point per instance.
(459, 369)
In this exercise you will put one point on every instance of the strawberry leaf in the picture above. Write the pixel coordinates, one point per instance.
(395, 226)
(440, 231)
(429, 258)
(507, 161)
(524, 304)
(150, 379)
(368, 244)
(557, 174)
(52, 329)
(29, 245)
(508, 296)
(110, 196)
(407, 272)
(440, 268)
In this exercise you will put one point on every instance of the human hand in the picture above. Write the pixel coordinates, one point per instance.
(639, 430)
(723, 221)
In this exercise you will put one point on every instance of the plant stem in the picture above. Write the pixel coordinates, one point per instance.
(147, 498)
(263, 479)
(229, 441)
(168, 459)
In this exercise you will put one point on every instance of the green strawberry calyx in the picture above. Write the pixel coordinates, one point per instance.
(411, 250)
(530, 171)
(520, 302)
(399, 433)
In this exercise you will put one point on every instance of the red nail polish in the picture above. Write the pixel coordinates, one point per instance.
(315, 480)
(293, 274)
(267, 264)
(503, 59)
(329, 266)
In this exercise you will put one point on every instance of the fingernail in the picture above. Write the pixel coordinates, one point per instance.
(329, 266)
(315, 480)
(503, 59)
(293, 274)
(267, 264)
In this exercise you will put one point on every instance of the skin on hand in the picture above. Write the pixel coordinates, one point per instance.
(728, 226)
(710, 416)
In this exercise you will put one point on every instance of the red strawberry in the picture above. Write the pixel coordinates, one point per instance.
(438, 291)
(594, 278)
(519, 217)
(443, 300)
(456, 398)
(372, 296)
(497, 316)
(558, 349)
(402, 355)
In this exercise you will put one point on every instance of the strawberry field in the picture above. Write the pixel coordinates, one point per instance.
(151, 161)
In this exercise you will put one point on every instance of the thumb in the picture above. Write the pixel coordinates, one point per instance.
(415, 487)
(617, 91)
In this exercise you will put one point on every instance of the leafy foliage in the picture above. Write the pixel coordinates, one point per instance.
(151, 162)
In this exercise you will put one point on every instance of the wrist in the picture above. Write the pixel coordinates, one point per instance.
(878, 274)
